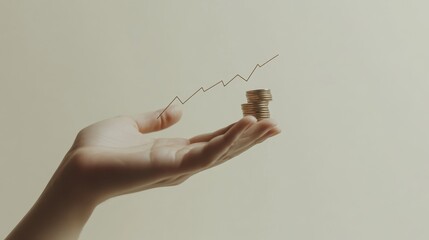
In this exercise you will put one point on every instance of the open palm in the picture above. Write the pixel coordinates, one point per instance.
(118, 156)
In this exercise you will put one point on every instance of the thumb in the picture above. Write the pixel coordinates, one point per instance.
(158, 120)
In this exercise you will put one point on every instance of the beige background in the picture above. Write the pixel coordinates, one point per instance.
(350, 92)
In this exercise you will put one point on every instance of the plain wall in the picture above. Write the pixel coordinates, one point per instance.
(350, 91)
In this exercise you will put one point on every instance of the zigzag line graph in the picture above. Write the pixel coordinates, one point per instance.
(238, 76)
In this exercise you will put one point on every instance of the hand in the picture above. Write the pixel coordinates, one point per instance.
(117, 156)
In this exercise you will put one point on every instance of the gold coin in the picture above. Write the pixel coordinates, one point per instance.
(257, 103)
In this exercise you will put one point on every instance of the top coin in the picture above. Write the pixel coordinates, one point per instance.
(260, 90)
(259, 95)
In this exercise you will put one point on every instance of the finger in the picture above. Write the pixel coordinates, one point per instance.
(205, 154)
(220, 144)
(254, 134)
(158, 120)
(237, 151)
(273, 132)
(208, 136)
(256, 131)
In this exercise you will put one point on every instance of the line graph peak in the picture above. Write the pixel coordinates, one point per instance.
(224, 84)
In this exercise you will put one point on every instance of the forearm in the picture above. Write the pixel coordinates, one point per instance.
(60, 213)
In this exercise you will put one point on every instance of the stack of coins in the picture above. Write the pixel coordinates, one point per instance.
(257, 103)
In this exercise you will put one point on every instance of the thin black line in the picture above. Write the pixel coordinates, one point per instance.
(223, 83)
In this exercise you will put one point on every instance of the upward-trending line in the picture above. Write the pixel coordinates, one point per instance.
(223, 83)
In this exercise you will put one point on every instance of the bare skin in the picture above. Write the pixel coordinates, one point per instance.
(117, 156)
